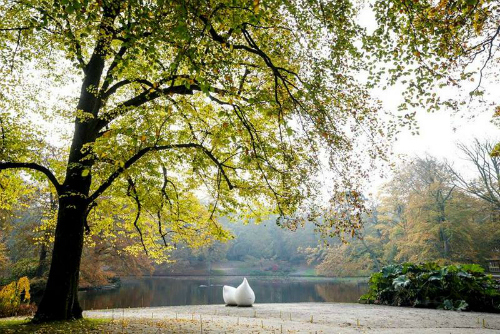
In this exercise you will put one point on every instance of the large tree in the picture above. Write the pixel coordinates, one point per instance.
(185, 111)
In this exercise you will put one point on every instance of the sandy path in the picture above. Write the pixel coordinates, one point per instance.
(296, 318)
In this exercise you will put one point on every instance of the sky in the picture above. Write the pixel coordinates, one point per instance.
(439, 134)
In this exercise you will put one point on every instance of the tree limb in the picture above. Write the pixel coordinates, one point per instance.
(106, 184)
(33, 166)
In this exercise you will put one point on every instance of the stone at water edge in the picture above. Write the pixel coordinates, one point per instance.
(244, 295)
(228, 293)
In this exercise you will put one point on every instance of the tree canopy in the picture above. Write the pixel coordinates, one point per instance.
(187, 111)
(190, 96)
(428, 45)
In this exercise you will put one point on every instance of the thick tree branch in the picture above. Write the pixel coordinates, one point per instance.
(118, 85)
(106, 184)
(16, 29)
(149, 95)
(33, 166)
(87, 212)
(78, 47)
(142, 98)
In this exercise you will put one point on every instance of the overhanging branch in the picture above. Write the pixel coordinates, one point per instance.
(33, 166)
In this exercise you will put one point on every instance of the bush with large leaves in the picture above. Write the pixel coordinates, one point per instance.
(453, 287)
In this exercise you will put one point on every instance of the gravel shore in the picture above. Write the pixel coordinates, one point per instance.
(298, 318)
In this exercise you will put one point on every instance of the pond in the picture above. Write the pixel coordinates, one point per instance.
(174, 291)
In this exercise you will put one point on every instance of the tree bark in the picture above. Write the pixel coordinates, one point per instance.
(60, 299)
(41, 261)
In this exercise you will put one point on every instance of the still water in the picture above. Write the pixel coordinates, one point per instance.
(172, 291)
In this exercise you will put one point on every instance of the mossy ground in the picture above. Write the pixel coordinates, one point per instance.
(101, 326)
(76, 326)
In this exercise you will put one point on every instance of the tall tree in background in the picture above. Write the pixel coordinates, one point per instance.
(231, 102)
(437, 217)
(486, 185)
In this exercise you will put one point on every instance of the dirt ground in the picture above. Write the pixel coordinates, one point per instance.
(296, 318)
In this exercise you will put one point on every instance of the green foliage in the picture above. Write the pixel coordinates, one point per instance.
(432, 44)
(454, 287)
(24, 267)
(200, 111)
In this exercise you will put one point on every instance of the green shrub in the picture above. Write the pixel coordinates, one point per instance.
(37, 286)
(24, 267)
(453, 287)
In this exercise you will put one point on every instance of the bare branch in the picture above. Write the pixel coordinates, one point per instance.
(132, 192)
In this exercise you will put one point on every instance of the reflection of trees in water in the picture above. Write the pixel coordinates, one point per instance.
(165, 291)
(343, 293)
(288, 292)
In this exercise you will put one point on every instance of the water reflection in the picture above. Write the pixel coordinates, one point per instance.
(172, 291)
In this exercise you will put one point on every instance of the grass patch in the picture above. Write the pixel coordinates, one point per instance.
(218, 272)
(309, 272)
(12, 322)
(83, 326)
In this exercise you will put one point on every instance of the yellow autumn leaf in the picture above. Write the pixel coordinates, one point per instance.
(256, 5)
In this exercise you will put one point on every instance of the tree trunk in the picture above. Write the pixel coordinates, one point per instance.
(446, 242)
(41, 261)
(60, 299)
(373, 256)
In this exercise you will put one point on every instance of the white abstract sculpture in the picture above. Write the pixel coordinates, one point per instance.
(228, 293)
(244, 295)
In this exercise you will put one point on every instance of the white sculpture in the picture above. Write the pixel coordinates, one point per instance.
(244, 295)
(228, 293)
